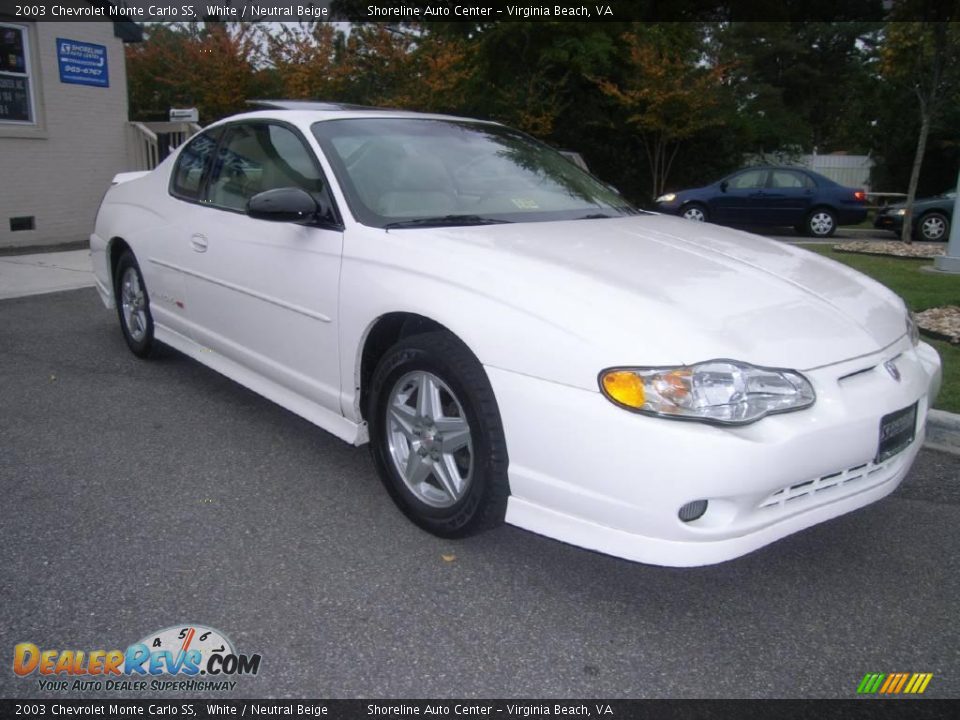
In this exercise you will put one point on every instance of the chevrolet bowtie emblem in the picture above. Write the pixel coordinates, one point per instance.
(892, 369)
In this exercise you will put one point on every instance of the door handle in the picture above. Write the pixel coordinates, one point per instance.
(198, 242)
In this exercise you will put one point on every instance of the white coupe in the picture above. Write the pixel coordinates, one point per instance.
(515, 341)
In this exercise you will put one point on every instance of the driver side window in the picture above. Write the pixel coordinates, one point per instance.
(749, 180)
(257, 157)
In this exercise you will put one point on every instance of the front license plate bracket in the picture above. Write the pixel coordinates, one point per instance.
(897, 431)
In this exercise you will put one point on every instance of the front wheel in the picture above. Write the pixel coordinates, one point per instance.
(821, 223)
(133, 306)
(436, 436)
(933, 227)
(695, 212)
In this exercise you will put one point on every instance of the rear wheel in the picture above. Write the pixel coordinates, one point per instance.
(695, 212)
(133, 306)
(821, 223)
(933, 227)
(436, 436)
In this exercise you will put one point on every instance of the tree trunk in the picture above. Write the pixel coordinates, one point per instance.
(906, 233)
(928, 97)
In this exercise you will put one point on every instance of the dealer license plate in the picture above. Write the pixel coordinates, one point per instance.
(896, 432)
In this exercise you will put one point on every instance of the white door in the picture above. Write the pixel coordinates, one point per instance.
(265, 293)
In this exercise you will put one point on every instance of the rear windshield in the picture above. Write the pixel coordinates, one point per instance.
(394, 170)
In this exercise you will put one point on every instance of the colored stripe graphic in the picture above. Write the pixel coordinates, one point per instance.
(870, 683)
(894, 683)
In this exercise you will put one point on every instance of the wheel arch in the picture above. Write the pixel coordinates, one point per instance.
(115, 249)
(380, 335)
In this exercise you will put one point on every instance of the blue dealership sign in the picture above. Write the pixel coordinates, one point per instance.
(82, 63)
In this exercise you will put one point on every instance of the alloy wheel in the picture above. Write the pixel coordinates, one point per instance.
(429, 439)
(933, 227)
(133, 302)
(821, 223)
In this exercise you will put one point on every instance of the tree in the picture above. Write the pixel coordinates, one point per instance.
(922, 57)
(307, 60)
(208, 65)
(668, 94)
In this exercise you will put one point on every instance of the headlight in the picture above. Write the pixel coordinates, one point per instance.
(901, 212)
(724, 392)
(669, 197)
(913, 330)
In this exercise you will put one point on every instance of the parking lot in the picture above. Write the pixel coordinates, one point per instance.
(140, 495)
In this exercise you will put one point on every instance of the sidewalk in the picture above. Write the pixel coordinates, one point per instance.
(40, 273)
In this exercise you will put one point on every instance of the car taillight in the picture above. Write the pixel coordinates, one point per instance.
(859, 195)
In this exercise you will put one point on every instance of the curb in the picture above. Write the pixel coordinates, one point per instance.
(943, 431)
(14, 250)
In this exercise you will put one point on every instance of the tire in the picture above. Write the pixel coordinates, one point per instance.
(451, 493)
(932, 227)
(821, 223)
(695, 212)
(133, 306)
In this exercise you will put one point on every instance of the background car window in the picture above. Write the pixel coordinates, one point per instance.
(191, 165)
(258, 157)
(788, 179)
(748, 180)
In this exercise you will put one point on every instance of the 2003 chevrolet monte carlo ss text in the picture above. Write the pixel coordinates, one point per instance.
(514, 339)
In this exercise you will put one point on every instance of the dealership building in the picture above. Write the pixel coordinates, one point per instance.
(64, 130)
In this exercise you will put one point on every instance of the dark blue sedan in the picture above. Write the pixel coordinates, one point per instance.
(787, 196)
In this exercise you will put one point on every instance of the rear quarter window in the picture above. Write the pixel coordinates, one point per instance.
(193, 165)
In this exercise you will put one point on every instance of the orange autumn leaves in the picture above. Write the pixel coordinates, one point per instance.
(217, 67)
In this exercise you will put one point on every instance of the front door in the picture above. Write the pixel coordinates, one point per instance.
(265, 293)
(740, 200)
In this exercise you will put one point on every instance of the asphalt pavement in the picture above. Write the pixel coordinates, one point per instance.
(138, 495)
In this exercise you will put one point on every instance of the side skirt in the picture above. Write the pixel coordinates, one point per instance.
(351, 432)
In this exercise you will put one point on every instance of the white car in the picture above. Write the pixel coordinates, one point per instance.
(514, 340)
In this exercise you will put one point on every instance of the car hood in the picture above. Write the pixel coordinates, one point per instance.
(659, 290)
(939, 200)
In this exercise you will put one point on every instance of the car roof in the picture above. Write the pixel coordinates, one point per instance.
(309, 105)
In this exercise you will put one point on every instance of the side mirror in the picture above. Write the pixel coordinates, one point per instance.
(284, 205)
(724, 185)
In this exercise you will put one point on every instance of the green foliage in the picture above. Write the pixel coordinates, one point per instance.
(628, 96)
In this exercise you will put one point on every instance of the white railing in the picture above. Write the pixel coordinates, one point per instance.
(144, 146)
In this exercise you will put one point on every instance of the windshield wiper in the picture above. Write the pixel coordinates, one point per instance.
(444, 221)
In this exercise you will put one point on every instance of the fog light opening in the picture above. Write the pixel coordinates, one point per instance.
(693, 510)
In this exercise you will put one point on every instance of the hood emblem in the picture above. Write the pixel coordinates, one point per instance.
(892, 369)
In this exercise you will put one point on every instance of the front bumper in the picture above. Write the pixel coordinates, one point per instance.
(885, 221)
(588, 473)
(100, 264)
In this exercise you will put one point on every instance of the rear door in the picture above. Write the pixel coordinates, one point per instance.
(788, 197)
(265, 293)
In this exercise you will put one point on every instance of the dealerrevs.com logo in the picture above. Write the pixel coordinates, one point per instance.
(198, 657)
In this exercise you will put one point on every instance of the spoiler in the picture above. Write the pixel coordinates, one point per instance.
(121, 178)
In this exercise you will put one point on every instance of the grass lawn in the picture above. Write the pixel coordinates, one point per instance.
(921, 290)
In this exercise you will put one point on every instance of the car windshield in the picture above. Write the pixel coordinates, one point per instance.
(418, 172)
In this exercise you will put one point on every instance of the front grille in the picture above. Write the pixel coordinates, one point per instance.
(852, 479)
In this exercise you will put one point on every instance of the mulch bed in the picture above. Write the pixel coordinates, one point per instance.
(942, 323)
(894, 248)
